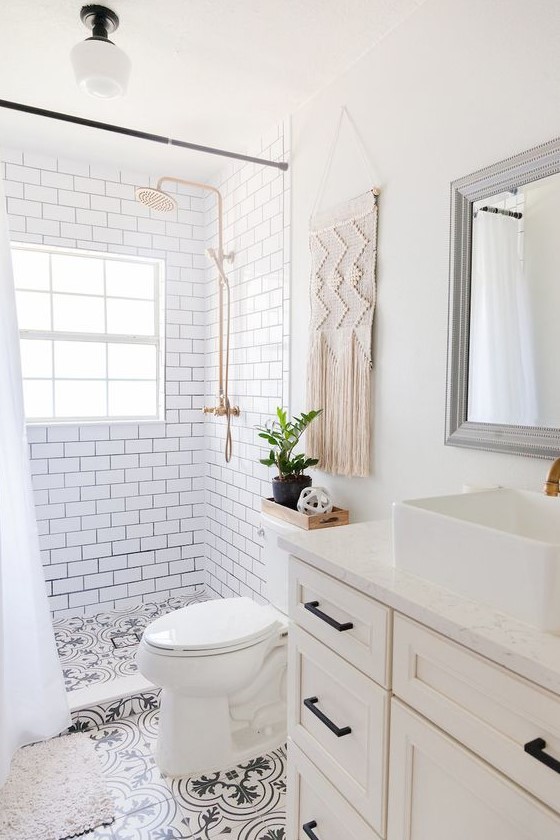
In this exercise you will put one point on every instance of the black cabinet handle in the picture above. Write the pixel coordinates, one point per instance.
(308, 829)
(312, 607)
(309, 703)
(536, 749)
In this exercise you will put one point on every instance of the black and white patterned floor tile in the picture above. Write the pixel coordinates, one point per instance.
(242, 803)
(95, 716)
(96, 649)
(235, 798)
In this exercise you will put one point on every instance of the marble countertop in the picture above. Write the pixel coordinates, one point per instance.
(361, 556)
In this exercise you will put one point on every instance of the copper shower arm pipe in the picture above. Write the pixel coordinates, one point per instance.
(220, 205)
(201, 186)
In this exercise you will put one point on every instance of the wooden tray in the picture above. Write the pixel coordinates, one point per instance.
(309, 522)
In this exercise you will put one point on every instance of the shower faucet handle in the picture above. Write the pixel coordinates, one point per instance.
(221, 410)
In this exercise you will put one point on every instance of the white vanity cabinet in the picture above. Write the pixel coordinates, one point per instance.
(338, 704)
(398, 733)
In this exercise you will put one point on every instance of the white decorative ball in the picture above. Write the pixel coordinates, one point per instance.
(314, 500)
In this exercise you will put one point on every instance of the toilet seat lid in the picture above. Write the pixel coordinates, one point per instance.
(224, 623)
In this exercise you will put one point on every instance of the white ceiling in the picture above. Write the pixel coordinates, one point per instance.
(215, 72)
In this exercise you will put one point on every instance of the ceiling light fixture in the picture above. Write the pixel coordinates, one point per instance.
(100, 67)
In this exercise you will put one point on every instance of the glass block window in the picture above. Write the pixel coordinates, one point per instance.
(91, 335)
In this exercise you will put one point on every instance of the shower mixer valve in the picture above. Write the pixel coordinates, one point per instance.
(222, 410)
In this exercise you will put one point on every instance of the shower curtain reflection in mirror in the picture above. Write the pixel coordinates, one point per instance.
(501, 382)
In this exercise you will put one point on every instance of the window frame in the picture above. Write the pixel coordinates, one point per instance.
(157, 340)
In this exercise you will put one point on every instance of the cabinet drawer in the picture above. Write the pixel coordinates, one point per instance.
(441, 791)
(316, 804)
(339, 718)
(490, 710)
(325, 607)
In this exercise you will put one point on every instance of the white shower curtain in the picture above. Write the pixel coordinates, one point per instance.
(502, 387)
(33, 702)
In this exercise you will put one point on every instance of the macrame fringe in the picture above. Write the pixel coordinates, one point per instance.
(339, 437)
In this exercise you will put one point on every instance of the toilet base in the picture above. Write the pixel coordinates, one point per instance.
(192, 730)
(197, 734)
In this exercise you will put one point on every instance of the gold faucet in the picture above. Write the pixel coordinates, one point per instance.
(552, 483)
(223, 409)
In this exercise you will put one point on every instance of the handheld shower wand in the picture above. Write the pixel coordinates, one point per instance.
(157, 199)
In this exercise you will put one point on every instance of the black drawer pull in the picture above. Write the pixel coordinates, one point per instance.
(536, 749)
(309, 703)
(308, 829)
(312, 607)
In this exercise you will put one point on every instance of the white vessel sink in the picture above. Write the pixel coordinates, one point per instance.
(499, 547)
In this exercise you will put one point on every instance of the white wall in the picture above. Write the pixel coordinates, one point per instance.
(460, 85)
(256, 229)
(122, 510)
(120, 505)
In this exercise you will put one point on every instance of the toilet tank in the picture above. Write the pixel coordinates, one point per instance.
(276, 560)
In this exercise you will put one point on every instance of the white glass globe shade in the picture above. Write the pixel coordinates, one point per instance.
(101, 68)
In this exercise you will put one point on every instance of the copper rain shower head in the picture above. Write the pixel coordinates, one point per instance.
(155, 199)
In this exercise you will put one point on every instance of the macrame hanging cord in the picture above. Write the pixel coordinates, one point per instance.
(343, 244)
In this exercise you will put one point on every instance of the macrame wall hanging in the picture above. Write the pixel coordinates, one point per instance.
(343, 244)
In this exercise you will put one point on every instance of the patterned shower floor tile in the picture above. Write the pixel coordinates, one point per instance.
(245, 802)
(100, 648)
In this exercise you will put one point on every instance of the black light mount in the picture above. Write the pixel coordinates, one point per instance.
(101, 20)
(101, 69)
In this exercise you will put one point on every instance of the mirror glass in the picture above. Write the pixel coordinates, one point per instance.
(515, 306)
(503, 389)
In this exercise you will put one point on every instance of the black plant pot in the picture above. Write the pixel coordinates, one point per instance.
(287, 491)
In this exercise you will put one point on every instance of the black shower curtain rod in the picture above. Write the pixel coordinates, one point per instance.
(514, 214)
(141, 135)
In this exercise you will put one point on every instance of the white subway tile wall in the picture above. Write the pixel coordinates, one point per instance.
(256, 229)
(139, 511)
(120, 506)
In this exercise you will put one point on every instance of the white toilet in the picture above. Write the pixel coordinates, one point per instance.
(221, 665)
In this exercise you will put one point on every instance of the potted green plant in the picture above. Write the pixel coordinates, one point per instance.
(283, 436)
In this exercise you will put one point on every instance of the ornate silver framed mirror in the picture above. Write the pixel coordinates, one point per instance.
(503, 360)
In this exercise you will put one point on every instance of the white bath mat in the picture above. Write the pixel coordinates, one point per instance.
(55, 790)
